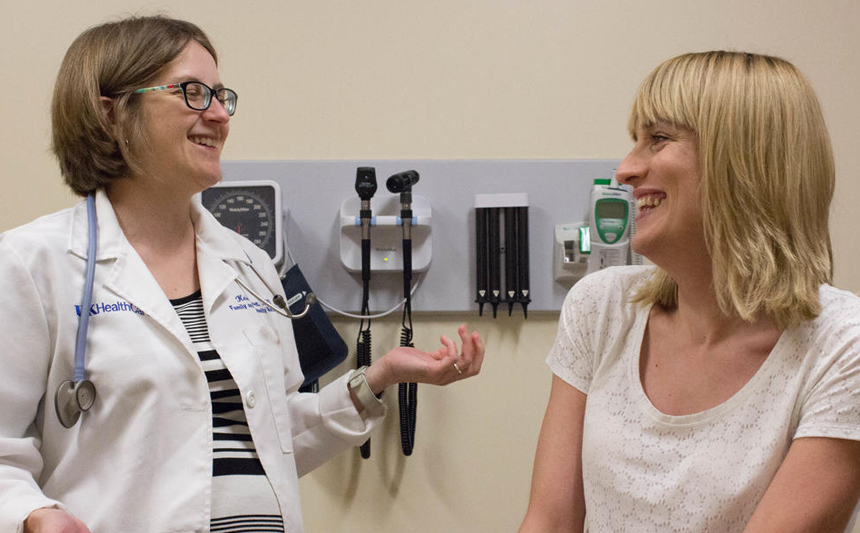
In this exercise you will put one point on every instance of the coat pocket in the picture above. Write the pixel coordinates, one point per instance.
(269, 351)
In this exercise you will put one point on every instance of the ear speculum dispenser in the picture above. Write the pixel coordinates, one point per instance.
(502, 251)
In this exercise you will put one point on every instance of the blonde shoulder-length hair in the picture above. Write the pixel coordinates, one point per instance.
(767, 178)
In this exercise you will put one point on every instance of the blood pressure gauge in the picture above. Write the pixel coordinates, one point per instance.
(251, 209)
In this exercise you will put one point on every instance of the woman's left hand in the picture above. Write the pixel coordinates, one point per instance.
(444, 366)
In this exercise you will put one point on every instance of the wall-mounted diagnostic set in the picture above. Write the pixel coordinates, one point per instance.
(391, 249)
(322, 206)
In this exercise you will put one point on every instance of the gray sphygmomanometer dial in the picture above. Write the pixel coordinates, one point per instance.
(251, 209)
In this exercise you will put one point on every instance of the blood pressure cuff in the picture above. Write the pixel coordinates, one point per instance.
(319, 345)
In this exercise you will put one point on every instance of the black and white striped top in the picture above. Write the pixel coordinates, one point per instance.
(242, 497)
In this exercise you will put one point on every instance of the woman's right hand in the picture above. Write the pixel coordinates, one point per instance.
(53, 520)
(442, 367)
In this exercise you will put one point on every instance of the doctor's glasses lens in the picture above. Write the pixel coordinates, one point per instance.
(198, 96)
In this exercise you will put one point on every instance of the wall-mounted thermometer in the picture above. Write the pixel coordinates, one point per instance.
(611, 211)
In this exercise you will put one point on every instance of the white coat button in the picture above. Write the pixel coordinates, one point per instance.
(251, 399)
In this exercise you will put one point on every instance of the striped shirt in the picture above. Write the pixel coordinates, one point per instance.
(242, 497)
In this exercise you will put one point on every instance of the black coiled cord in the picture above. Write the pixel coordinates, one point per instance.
(363, 358)
(362, 348)
(407, 396)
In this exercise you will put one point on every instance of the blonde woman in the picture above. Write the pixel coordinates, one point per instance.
(720, 390)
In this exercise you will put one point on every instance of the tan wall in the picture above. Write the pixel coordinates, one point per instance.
(440, 80)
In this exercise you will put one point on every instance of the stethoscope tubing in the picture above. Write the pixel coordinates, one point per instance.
(74, 397)
(87, 298)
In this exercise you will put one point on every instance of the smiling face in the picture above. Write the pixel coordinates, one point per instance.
(663, 169)
(183, 147)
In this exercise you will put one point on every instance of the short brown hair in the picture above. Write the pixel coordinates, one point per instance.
(111, 60)
(767, 178)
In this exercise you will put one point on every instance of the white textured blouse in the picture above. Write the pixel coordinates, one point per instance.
(647, 471)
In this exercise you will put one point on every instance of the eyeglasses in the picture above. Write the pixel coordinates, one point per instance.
(198, 96)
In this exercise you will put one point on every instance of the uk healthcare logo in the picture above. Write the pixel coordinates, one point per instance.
(119, 306)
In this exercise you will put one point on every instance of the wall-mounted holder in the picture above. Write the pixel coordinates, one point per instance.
(387, 236)
(570, 252)
(502, 251)
(559, 192)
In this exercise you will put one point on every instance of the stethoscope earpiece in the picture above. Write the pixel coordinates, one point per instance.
(72, 399)
(280, 305)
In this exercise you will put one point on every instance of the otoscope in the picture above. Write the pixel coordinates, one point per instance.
(365, 186)
(407, 393)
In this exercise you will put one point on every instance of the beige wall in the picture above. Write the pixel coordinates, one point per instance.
(440, 80)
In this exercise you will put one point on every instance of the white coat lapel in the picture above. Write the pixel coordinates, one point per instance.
(128, 278)
(229, 312)
(215, 250)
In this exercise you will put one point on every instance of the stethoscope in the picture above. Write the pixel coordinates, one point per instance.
(75, 397)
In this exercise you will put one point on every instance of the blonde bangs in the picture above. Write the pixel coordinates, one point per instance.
(666, 95)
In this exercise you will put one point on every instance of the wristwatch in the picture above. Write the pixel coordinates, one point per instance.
(358, 385)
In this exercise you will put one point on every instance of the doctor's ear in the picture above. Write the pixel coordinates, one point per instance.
(108, 107)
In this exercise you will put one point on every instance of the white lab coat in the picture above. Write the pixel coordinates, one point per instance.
(141, 459)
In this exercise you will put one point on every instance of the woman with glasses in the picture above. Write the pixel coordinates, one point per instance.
(720, 389)
(193, 421)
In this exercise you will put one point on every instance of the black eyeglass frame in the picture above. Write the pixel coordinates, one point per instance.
(227, 102)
